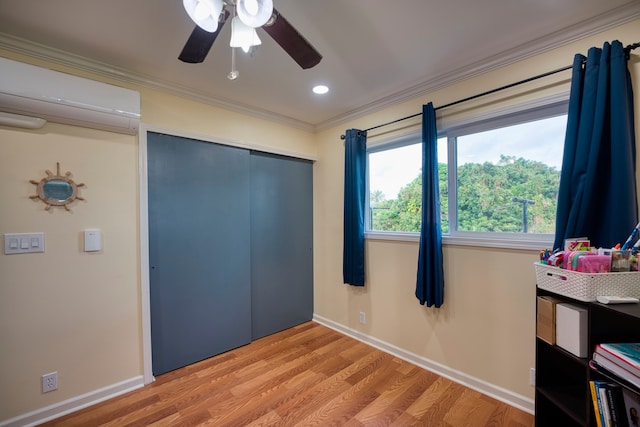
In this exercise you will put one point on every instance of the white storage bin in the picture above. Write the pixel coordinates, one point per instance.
(587, 286)
(571, 328)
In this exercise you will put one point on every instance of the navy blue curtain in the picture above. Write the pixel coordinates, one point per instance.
(597, 195)
(430, 283)
(355, 169)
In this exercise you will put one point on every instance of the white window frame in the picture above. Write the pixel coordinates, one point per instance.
(527, 111)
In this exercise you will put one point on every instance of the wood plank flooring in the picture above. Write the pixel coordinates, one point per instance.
(309, 375)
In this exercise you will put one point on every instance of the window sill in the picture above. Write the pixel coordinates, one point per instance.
(517, 242)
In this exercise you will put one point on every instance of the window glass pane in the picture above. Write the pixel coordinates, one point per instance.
(508, 178)
(395, 187)
(443, 177)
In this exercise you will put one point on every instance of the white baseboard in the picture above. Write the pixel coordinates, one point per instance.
(68, 406)
(518, 401)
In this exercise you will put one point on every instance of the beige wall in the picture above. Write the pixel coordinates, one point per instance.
(66, 310)
(486, 327)
(182, 115)
(79, 313)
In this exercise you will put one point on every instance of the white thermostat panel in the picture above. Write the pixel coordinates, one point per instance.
(92, 240)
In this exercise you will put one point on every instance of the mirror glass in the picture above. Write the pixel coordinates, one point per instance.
(58, 190)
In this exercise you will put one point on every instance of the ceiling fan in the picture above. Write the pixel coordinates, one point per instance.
(210, 16)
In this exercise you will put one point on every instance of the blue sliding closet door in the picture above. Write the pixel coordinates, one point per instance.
(281, 243)
(199, 249)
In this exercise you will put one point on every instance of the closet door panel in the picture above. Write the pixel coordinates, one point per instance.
(199, 249)
(281, 243)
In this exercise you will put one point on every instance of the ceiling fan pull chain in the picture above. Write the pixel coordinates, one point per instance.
(234, 73)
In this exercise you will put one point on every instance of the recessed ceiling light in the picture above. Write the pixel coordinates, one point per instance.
(320, 89)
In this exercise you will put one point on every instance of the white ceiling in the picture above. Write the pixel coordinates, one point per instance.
(375, 52)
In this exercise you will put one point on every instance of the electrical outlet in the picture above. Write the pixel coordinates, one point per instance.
(363, 318)
(532, 376)
(49, 382)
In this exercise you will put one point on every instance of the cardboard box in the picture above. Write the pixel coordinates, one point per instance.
(546, 318)
(571, 328)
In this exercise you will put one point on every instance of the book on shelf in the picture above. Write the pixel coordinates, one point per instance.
(616, 369)
(615, 400)
(596, 402)
(604, 402)
(626, 355)
(632, 407)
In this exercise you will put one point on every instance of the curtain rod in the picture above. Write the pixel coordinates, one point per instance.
(627, 51)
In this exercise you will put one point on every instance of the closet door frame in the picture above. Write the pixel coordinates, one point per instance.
(144, 219)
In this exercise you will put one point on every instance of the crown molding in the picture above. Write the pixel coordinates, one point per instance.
(60, 57)
(584, 29)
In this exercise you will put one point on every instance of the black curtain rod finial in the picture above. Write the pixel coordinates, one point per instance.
(358, 133)
(628, 49)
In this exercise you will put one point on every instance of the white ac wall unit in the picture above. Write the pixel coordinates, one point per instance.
(58, 97)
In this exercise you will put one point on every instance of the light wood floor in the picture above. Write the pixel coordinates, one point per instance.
(309, 375)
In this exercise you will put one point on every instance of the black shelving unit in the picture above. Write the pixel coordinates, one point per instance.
(562, 395)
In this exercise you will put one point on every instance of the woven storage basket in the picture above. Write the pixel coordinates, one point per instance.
(587, 286)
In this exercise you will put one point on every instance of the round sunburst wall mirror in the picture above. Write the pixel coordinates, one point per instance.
(57, 190)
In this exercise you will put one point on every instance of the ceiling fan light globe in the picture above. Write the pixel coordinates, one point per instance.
(243, 36)
(201, 12)
(204, 13)
(252, 7)
(254, 13)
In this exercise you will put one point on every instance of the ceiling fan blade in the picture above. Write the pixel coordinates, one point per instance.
(292, 42)
(199, 43)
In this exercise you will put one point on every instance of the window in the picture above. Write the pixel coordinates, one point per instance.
(499, 178)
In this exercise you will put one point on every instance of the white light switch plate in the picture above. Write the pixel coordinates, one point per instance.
(23, 243)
